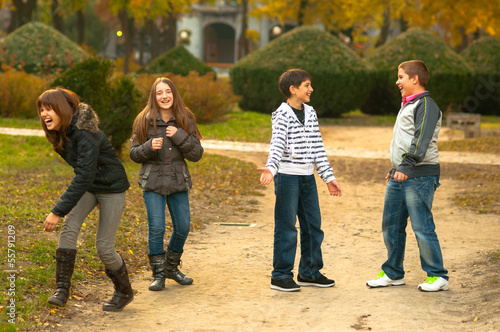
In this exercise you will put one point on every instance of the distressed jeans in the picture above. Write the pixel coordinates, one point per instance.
(411, 198)
(178, 206)
(297, 196)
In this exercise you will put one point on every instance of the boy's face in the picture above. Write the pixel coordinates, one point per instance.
(407, 85)
(302, 94)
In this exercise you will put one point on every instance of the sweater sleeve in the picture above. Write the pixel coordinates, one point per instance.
(426, 118)
(278, 140)
(87, 151)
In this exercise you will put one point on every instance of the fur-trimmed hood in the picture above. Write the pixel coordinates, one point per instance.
(87, 119)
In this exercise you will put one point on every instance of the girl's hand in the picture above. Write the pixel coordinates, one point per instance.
(171, 130)
(156, 143)
(51, 222)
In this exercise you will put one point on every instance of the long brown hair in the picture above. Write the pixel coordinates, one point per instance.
(65, 104)
(182, 114)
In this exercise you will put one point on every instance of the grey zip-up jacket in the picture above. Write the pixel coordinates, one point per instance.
(413, 148)
(295, 148)
(165, 171)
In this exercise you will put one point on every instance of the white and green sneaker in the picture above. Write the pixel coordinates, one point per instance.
(434, 284)
(382, 280)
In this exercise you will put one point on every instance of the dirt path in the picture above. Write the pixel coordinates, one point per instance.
(231, 266)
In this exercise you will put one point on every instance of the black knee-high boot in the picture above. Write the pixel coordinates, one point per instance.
(158, 265)
(172, 271)
(123, 294)
(65, 265)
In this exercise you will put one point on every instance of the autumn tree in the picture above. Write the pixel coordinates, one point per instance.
(21, 12)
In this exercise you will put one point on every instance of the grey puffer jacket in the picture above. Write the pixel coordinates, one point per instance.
(89, 152)
(165, 171)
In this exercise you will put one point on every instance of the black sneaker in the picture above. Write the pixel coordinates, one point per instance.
(285, 285)
(319, 282)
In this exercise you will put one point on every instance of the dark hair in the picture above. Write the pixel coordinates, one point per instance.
(291, 77)
(184, 118)
(416, 68)
(65, 104)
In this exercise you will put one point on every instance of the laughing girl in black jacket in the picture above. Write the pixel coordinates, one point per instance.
(164, 135)
(100, 180)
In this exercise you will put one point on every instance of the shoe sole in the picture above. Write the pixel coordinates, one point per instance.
(285, 289)
(437, 290)
(311, 284)
(379, 286)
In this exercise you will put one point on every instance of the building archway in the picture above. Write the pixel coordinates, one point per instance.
(219, 43)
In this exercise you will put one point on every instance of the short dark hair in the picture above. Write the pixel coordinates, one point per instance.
(291, 77)
(418, 68)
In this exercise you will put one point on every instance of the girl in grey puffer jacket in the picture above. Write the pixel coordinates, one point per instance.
(164, 135)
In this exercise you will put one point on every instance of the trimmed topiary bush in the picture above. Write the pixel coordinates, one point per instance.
(451, 76)
(40, 49)
(115, 100)
(483, 56)
(339, 77)
(178, 61)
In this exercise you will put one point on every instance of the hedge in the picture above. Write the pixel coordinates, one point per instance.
(40, 49)
(340, 78)
(178, 61)
(483, 56)
(451, 77)
(115, 100)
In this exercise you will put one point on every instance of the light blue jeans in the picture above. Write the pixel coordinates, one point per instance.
(411, 198)
(178, 206)
(297, 196)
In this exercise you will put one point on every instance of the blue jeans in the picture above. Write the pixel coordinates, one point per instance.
(411, 198)
(178, 205)
(297, 196)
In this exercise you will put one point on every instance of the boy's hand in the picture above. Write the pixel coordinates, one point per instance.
(400, 177)
(51, 222)
(334, 188)
(266, 177)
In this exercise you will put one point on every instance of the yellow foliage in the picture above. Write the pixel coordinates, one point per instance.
(19, 92)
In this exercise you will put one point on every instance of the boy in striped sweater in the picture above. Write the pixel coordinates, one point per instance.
(296, 149)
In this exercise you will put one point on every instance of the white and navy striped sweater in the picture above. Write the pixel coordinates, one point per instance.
(296, 148)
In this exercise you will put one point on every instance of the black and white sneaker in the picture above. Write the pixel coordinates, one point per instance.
(322, 282)
(285, 285)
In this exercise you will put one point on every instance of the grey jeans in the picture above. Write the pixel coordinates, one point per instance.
(111, 207)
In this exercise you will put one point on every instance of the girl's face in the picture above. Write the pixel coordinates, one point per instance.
(51, 119)
(164, 96)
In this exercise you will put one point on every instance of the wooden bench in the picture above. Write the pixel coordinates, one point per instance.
(468, 122)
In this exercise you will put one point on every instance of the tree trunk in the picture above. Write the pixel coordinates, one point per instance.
(243, 47)
(302, 8)
(403, 23)
(142, 44)
(155, 39)
(80, 24)
(171, 32)
(384, 31)
(23, 13)
(128, 32)
(57, 19)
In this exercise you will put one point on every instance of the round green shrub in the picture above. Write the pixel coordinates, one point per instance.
(451, 76)
(483, 56)
(115, 100)
(339, 77)
(178, 61)
(40, 49)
